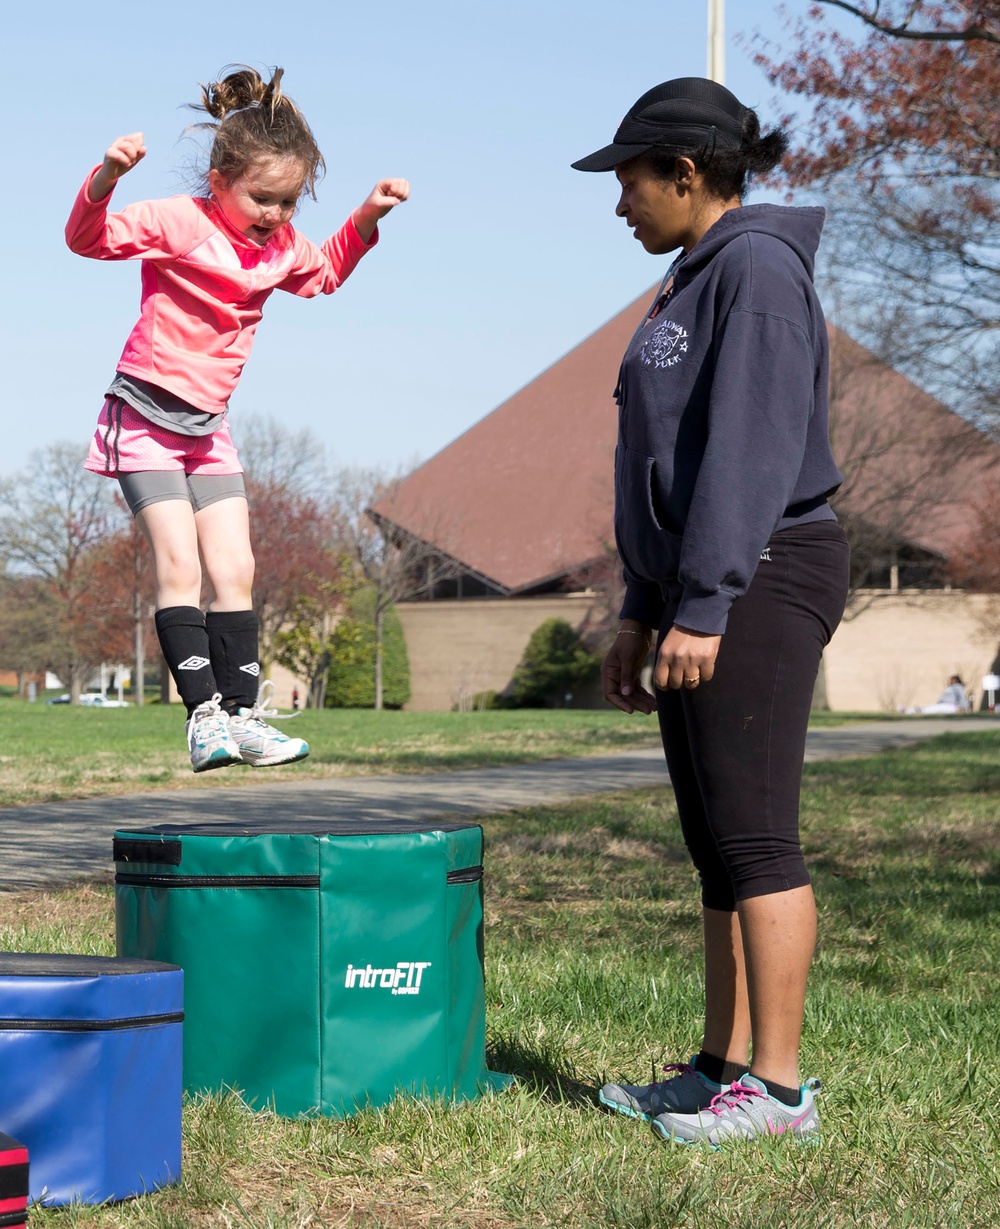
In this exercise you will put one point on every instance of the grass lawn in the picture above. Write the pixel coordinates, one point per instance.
(52, 752)
(593, 963)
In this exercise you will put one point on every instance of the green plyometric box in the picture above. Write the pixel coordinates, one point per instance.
(327, 967)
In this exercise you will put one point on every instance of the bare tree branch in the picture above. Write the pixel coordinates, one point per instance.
(399, 564)
(273, 456)
(972, 33)
(49, 530)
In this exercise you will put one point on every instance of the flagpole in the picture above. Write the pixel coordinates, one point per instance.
(716, 41)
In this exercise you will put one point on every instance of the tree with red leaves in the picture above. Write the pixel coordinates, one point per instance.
(293, 545)
(292, 537)
(903, 141)
(292, 528)
(975, 564)
(51, 521)
(115, 607)
(29, 622)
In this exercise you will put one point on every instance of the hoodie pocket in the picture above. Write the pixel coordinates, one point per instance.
(647, 549)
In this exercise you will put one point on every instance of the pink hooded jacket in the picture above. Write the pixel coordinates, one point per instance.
(203, 285)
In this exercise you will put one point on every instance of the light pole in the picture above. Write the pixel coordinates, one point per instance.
(717, 41)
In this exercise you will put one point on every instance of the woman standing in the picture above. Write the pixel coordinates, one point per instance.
(735, 564)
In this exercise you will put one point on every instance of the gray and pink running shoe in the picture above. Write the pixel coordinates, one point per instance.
(210, 740)
(260, 745)
(744, 1111)
(685, 1091)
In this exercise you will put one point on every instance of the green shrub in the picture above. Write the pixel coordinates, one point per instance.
(351, 678)
(554, 662)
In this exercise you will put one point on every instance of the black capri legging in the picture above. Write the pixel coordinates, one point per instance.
(735, 745)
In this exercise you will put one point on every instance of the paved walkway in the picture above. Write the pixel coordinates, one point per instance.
(61, 841)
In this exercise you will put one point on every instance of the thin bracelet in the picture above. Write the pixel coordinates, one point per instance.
(630, 631)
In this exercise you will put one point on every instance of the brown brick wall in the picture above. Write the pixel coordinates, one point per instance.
(898, 652)
(902, 650)
(458, 648)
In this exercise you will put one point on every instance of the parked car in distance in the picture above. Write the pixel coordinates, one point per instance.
(90, 699)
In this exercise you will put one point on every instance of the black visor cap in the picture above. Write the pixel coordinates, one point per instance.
(686, 113)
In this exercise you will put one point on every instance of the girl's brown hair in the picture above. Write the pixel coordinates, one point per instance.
(253, 120)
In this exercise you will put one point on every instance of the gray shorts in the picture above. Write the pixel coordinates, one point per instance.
(199, 490)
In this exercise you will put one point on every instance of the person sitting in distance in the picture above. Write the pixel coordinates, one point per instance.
(952, 700)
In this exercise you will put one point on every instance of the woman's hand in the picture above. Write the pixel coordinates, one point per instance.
(622, 669)
(686, 659)
(386, 195)
(120, 157)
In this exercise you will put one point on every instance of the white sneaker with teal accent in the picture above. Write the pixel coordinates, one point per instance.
(209, 738)
(685, 1091)
(744, 1110)
(261, 745)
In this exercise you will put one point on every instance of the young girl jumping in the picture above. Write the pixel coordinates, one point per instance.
(208, 264)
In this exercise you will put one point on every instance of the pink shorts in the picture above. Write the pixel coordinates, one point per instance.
(133, 444)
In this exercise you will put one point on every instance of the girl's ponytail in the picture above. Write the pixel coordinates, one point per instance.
(251, 120)
(240, 88)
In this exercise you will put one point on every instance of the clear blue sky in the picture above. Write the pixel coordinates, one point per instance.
(502, 261)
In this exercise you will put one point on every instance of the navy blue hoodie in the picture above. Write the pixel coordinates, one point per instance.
(723, 435)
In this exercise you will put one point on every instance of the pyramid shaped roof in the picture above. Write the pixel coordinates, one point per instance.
(525, 496)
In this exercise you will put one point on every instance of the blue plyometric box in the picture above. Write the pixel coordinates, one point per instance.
(90, 1073)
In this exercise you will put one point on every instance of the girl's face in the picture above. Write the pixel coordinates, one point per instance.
(262, 199)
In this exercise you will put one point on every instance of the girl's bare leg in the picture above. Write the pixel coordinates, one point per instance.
(169, 528)
(224, 538)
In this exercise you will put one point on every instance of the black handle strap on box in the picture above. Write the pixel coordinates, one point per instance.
(158, 853)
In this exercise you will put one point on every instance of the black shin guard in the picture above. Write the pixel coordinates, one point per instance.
(184, 640)
(232, 646)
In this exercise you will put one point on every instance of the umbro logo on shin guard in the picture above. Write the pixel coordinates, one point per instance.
(194, 663)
